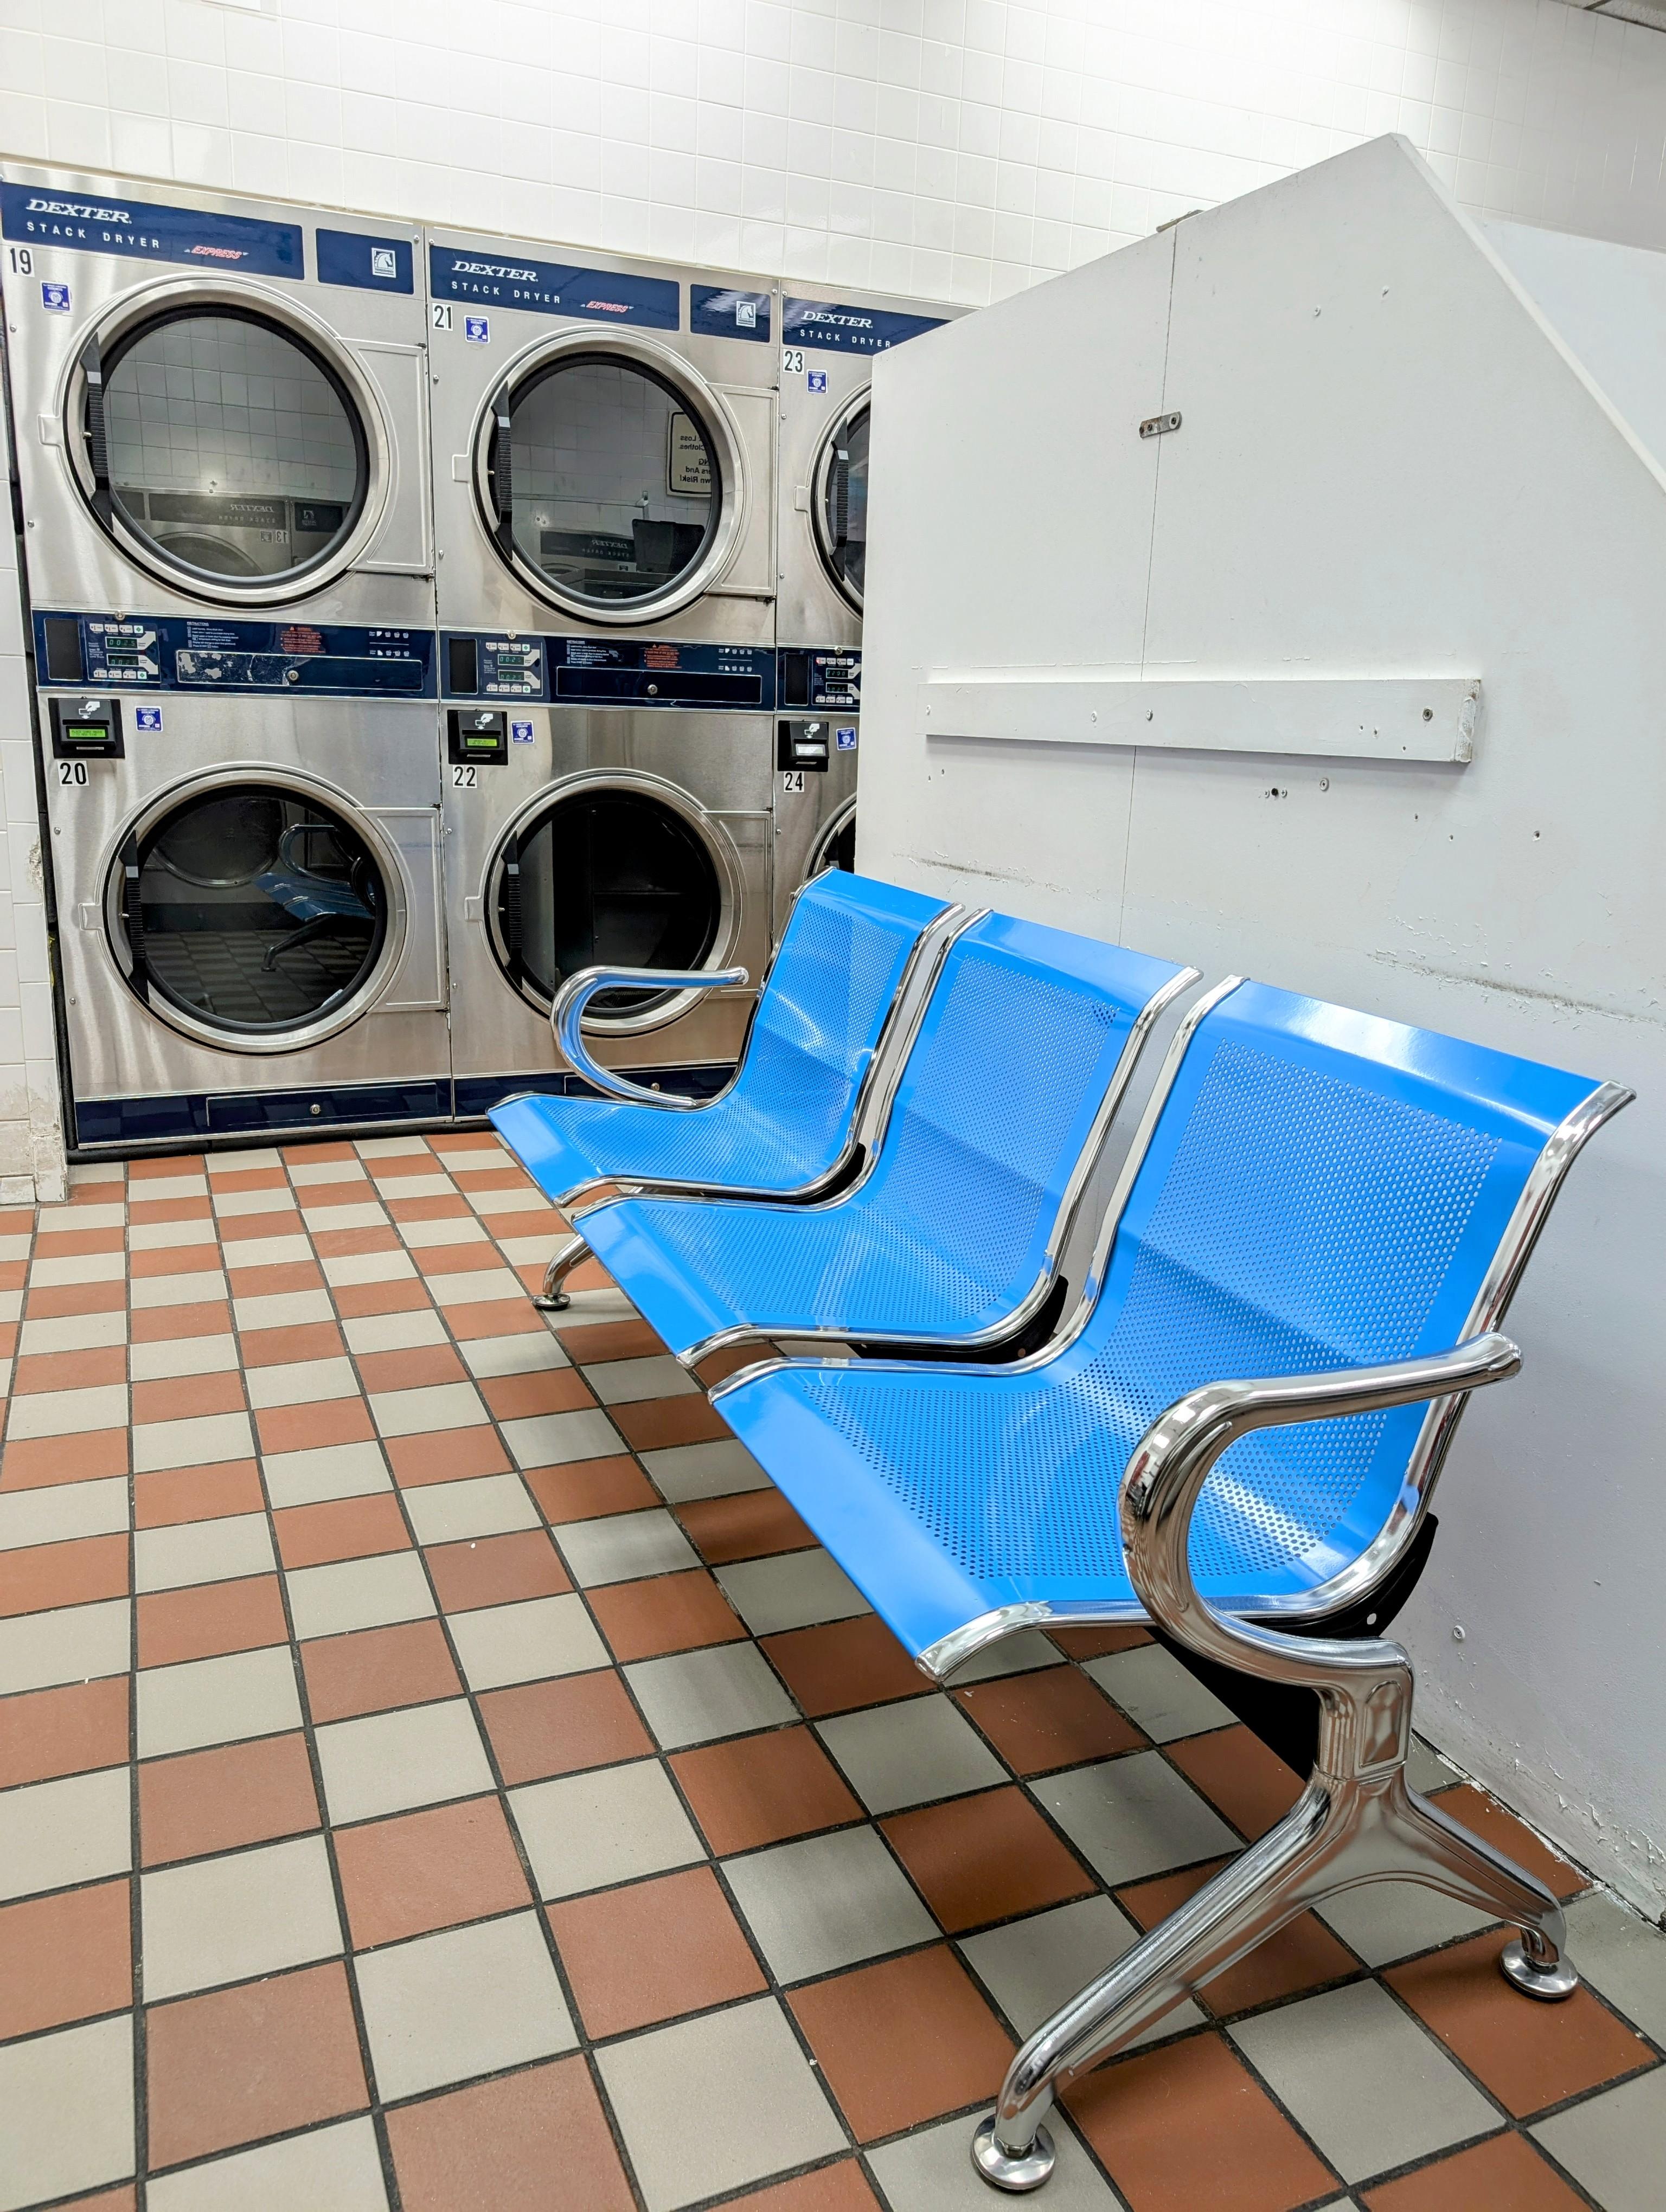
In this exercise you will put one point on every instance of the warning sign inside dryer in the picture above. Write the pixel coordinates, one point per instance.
(688, 464)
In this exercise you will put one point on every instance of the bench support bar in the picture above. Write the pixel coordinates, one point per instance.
(1358, 1821)
(552, 1298)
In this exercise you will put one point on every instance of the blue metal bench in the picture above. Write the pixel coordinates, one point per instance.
(790, 1121)
(1341, 1209)
(953, 1231)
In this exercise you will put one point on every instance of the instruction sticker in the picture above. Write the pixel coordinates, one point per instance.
(476, 329)
(818, 380)
(520, 733)
(688, 464)
(148, 718)
(845, 740)
(55, 298)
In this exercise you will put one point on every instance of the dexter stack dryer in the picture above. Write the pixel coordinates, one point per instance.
(605, 521)
(218, 410)
(828, 346)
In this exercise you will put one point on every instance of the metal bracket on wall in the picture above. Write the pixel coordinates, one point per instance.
(1155, 425)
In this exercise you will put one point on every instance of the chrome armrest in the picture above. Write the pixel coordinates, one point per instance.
(567, 1021)
(1359, 1680)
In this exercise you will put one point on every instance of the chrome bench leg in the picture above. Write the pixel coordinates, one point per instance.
(1345, 1830)
(552, 1298)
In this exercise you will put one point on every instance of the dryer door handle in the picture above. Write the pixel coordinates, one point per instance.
(132, 916)
(500, 468)
(567, 1021)
(98, 444)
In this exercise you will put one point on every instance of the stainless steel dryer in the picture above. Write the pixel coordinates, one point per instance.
(604, 444)
(608, 802)
(246, 852)
(827, 350)
(216, 402)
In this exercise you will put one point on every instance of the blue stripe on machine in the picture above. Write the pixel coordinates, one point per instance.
(143, 230)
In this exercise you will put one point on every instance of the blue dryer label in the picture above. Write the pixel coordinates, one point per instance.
(596, 671)
(715, 311)
(371, 264)
(139, 230)
(180, 653)
(514, 280)
(838, 328)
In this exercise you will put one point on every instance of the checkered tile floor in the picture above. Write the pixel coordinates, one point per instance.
(436, 1770)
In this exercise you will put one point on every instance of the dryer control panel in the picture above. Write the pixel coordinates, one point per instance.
(174, 652)
(810, 678)
(604, 672)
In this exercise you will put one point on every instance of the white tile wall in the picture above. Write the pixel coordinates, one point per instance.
(948, 149)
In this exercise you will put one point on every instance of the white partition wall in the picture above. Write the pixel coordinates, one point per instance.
(1379, 634)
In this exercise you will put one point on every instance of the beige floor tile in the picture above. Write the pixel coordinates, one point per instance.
(62, 1511)
(68, 1412)
(302, 1383)
(233, 1919)
(430, 1406)
(202, 1552)
(74, 1643)
(468, 2001)
(66, 2112)
(225, 1700)
(540, 1637)
(480, 1506)
(330, 2169)
(201, 1442)
(359, 1594)
(323, 1472)
(54, 1834)
(389, 1762)
(182, 1355)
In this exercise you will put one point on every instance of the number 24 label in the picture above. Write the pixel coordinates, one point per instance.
(792, 780)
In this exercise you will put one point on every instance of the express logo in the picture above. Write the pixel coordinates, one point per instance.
(494, 268)
(607, 307)
(85, 210)
(221, 252)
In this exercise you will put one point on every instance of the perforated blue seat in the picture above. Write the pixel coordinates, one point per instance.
(785, 1120)
(1320, 1191)
(954, 1229)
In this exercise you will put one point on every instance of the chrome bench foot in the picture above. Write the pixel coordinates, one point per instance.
(552, 1298)
(1537, 1968)
(1015, 2170)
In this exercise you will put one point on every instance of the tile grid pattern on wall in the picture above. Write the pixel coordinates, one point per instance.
(436, 1769)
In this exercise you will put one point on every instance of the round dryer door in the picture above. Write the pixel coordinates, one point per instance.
(606, 877)
(840, 503)
(222, 449)
(251, 914)
(610, 482)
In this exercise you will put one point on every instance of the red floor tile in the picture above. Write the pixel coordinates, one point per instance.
(1303, 1956)
(535, 2142)
(177, 1260)
(543, 1728)
(985, 1857)
(47, 1733)
(42, 1576)
(268, 1282)
(667, 1613)
(76, 1243)
(310, 1428)
(586, 1489)
(1186, 2126)
(287, 1347)
(430, 1870)
(753, 1525)
(550, 1390)
(405, 1295)
(341, 1529)
(198, 1493)
(375, 1669)
(594, 1342)
(69, 1371)
(417, 1366)
(210, 1619)
(1235, 1770)
(1485, 1817)
(436, 1259)
(242, 2064)
(488, 1317)
(218, 1800)
(60, 1301)
(1503, 2174)
(182, 1397)
(902, 2041)
(38, 1462)
(1095, 1642)
(1528, 2055)
(347, 1243)
(144, 1211)
(1051, 1718)
(497, 1570)
(169, 1324)
(840, 2188)
(448, 1455)
(653, 1950)
(65, 1957)
(844, 1664)
(227, 1182)
(443, 1206)
(762, 1789)
(655, 1424)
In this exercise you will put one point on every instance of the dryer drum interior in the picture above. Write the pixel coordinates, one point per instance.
(605, 879)
(251, 909)
(603, 480)
(222, 445)
(840, 505)
(835, 847)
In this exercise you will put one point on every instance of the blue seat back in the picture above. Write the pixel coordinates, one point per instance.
(1323, 1189)
(835, 975)
(1013, 1062)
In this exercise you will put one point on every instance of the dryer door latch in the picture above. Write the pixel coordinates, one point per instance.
(1154, 425)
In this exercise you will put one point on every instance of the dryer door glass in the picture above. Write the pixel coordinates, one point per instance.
(837, 847)
(606, 879)
(613, 491)
(231, 448)
(843, 516)
(251, 909)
